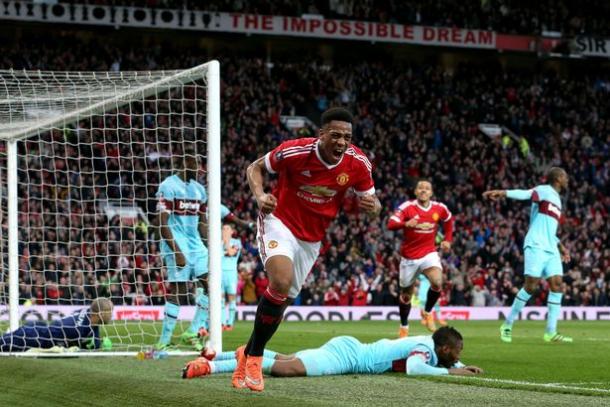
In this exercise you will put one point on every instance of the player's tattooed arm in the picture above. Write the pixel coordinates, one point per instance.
(370, 204)
(256, 175)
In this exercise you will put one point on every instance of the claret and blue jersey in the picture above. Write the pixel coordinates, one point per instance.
(541, 251)
(184, 202)
(545, 216)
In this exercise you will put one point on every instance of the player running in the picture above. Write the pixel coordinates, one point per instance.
(80, 329)
(313, 178)
(419, 219)
(232, 250)
(419, 355)
(541, 250)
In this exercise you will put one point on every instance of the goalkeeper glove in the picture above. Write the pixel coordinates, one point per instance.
(106, 343)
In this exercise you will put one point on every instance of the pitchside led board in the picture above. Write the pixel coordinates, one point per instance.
(297, 313)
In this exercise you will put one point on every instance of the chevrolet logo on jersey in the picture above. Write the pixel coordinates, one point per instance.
(319, 190)
(425, 226)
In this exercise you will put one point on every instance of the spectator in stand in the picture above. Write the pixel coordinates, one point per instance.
(248, 295)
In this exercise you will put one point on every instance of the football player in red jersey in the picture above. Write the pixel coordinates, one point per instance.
(314, 175)
(419, 219)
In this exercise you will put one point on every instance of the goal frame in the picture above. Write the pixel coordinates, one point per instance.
(212, 76)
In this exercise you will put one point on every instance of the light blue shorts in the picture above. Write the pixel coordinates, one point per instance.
(229, 282)
(542, 264)
(196, 266)
(338, 356)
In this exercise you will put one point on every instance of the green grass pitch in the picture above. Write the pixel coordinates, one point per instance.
(526, 372)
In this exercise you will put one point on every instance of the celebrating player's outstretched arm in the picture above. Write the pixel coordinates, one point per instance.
(418, 356)
(313, 177)
(543, 252)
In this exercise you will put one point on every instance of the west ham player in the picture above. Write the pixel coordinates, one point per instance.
(314, 175)
(232, 250)
(80, 329)
(419, 219)
(183, 225)
(541, 250)
(419, 355)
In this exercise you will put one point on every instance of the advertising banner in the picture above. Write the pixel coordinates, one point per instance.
(304, 26)
(301, 313)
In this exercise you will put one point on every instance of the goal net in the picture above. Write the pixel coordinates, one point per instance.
(82, 155)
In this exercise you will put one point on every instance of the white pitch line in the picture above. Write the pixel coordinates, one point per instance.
(577, 383)
(532, 384)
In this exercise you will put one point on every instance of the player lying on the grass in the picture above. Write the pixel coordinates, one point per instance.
(419, 355)
(80, 329)
(542, 251)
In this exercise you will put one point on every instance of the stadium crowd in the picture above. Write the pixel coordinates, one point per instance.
(413, 121)
(570, 17)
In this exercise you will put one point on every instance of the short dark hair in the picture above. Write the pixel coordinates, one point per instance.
(418, 180)
(447, 335)
(337, 113)
(553, 175)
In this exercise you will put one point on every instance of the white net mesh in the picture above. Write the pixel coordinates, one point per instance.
(92, 150)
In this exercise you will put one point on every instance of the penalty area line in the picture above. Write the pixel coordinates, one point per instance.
(533, 384)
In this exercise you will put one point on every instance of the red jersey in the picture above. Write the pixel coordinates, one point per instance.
(420, 239)
(309, 190)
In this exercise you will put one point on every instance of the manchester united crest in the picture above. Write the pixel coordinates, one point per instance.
(342, 179)
(435, 216)
(273, 244)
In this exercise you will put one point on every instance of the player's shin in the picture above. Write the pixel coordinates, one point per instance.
(223, 366)
(521, 299)
(404, 308)
(223, 308)
(169, 322)
(200, 320)
(268, 318)
(554, 307)
(232, 312)
(433, 294)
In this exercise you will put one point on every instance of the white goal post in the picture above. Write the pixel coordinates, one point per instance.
(85, 152)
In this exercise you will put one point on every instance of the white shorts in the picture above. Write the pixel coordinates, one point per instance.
(410, 269)
(275, 239)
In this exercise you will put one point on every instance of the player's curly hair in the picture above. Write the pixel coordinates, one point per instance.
(447, 335)
(337, 113)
